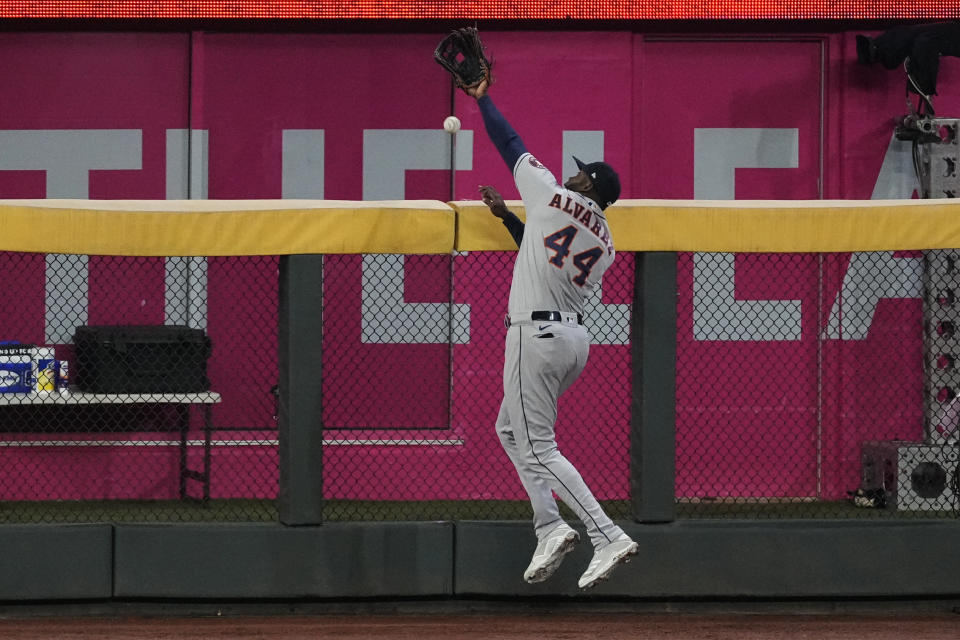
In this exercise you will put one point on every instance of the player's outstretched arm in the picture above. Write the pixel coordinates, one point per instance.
(491, 197)
(504, 138)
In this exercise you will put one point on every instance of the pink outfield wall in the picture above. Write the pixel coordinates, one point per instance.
(779, 427)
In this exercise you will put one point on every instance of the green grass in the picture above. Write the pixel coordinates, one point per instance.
(814, 509)
(175, 511)
(147, 511)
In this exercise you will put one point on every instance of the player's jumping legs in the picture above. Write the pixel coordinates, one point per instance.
(555, 538)
(546, 513)
(537, 370)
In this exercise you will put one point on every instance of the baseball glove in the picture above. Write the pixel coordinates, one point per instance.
(462, 54)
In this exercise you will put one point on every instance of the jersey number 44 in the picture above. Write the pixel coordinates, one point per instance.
(559, 243)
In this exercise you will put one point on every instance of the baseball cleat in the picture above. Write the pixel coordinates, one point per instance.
(550, 552)
(605, 560)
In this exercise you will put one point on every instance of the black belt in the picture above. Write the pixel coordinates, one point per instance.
(539, 316)
(551, 316)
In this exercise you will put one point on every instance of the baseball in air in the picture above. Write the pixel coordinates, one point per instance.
(451, 124)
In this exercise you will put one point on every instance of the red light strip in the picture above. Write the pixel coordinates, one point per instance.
(489, 9)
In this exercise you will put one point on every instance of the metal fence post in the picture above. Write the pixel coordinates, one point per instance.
(653, 352)
(301, 427)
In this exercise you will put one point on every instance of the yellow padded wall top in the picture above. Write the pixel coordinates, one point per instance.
(784, 226)
(225, 227)
(480, 230)
(749, 226)
(277, 227)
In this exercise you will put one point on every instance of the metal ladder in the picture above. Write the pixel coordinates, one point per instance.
(936, 159)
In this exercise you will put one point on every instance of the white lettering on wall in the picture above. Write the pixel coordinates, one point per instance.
(185, 278)
(303, 164)
(385, 317)
(873, 276)
(870, 277)
(717, 314)
(67, 156)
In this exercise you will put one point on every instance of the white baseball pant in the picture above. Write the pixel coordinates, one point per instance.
(542, 360)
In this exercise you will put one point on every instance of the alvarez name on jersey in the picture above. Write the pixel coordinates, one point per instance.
(566, 243)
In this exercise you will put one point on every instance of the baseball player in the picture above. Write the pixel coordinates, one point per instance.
(565, 247)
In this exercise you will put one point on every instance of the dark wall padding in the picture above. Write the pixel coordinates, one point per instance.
(715, 559)
(681, 560)
(56, 562)
(273, 561)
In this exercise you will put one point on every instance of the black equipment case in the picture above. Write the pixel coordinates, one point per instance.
(141, 359)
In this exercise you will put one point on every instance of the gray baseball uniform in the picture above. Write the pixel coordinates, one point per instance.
(565, 250)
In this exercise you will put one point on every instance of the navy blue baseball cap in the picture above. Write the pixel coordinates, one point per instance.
(605, 180)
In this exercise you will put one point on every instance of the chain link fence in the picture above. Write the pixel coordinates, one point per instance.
(805, 386)
(800, 378)
(412, 389)
(138, 388)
